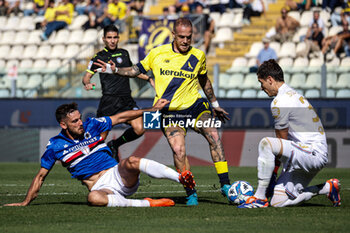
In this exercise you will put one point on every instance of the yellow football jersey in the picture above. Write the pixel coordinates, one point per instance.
(176, 74)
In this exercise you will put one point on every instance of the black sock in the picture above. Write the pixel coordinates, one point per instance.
(128, 136)
(224, 179)
(189, 191)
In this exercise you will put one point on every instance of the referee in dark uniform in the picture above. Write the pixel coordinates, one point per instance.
(116, 93)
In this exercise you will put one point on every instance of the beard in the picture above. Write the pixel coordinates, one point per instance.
(76, 134)
(185, 50)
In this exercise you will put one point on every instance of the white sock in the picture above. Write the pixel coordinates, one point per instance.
(115, 200)
(266, 164)
(158, 170)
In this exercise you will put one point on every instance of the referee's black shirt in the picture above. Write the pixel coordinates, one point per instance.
(113, 84)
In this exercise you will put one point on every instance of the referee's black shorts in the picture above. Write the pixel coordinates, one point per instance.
(110, 105)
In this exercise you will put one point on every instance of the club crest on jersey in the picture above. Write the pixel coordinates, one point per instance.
(190, 64)
(85, 150)
(87, 135)
(275, 112)
(119, 60)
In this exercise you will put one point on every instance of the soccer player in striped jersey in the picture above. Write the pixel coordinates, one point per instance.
(178, 68)
(80, 148)
(300, 145)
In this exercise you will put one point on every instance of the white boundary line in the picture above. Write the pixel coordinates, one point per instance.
(40, 194)
(21, 185)
(65, 193)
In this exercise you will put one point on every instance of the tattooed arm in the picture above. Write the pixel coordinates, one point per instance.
(207, 87)
(132, 71)
(110, 67)
(209, 93)
(129, 71)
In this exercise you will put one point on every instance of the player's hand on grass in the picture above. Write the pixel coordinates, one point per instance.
(221, 114)
(16, 204)
(105, 67)
(160, 104)
(90, 86)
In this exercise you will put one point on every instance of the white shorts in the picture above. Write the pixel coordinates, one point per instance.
(300, 165)
(111, 180)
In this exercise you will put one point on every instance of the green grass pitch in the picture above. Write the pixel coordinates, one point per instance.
(61, 206)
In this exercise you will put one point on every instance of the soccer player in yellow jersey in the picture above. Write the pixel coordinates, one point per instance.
(178, 68)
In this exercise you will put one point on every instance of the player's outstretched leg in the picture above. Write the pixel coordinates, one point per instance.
(157, 170)
(129, 170)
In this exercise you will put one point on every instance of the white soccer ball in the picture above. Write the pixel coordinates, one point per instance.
(240, 191)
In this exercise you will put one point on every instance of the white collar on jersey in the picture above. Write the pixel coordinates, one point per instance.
(283, 88)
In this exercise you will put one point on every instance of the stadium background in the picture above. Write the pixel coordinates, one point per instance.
(49, 73)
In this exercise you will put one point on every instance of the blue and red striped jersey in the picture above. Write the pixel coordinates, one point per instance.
(83, 157)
